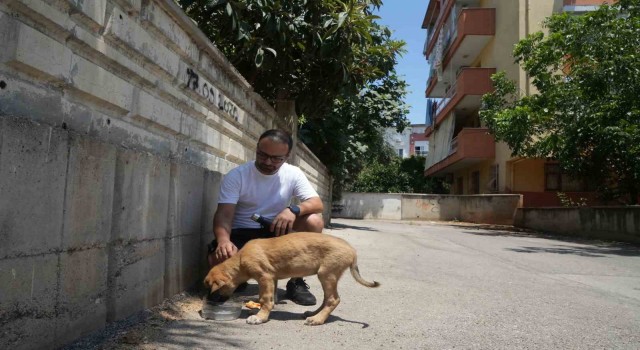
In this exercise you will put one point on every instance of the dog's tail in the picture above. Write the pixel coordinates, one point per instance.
(356, 275)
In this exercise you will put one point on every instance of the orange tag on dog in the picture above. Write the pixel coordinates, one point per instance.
(252, 305)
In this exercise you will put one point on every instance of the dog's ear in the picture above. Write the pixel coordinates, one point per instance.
(216, 279)
(217, 285)
(211, 281)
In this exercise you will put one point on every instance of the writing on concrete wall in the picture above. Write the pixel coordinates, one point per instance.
(210, 93)
(429, 205)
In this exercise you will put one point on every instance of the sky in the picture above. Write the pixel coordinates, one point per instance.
(404, 18)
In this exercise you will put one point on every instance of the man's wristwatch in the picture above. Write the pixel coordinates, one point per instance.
(295, 209)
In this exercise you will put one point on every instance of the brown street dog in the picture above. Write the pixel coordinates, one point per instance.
(297, 254)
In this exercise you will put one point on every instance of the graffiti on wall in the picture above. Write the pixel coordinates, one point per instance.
(430, 205)
(210, 93)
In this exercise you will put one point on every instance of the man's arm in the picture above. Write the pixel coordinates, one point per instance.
(222, 230)
(312, 205)
(284, 221)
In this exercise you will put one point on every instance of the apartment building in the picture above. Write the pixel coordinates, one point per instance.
(468, 41)
(411, 142)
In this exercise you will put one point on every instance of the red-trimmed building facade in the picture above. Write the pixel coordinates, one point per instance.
(468, 41)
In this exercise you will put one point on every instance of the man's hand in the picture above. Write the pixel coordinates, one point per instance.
(222, 231)
(225, 250)
(283, 223)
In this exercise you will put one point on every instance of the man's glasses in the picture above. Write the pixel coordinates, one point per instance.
(274, 159)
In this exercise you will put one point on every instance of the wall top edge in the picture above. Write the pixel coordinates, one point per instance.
(202, 40)
(204, 44)
(628, 207)
(442, 195)
(301, 146)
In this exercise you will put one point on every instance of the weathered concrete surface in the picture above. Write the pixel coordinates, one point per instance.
(489, 209)
(118, 119)
(33, 166)
(442, 287)
(369, 206)
(613, 223)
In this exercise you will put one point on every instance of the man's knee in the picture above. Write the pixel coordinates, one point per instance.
(214, 260)
(317, 222)
(309, 223)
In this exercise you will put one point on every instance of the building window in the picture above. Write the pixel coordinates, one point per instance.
(420, 151)
(475, 183)
(459, 186)
(552, 177)
(400, 152)
(494, 182)
(555, 180)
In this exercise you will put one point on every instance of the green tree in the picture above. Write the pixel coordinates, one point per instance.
(586, 113)
(309, 51)
(382, 178)
(414, 168)
(351, 135)
(396, 175)
(326, 56)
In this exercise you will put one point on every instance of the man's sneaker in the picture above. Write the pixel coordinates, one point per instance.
(298, 292)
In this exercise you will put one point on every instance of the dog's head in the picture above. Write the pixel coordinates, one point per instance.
(218, 279)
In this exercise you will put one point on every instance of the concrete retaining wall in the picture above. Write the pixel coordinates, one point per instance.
(613, 223)
(490, 209)
(369, 206)
(118, 119)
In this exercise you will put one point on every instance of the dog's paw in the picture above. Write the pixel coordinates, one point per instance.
(308, 314)
(313, 321)
(253, 319)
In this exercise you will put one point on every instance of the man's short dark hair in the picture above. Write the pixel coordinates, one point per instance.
(278, 135)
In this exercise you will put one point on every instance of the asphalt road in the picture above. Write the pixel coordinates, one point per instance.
(451, 287)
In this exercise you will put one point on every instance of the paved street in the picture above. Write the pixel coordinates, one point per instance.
(451, 287)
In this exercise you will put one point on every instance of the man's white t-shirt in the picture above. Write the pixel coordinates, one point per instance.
(256, 193)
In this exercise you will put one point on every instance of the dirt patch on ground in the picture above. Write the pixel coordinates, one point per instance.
(142, 329)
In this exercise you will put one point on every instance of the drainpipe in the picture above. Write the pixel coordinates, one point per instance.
(526, 33)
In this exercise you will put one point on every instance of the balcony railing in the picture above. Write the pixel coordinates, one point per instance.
(432, 37)
(470, 27)
(432, 76)
(450, 30)
(454, 145)
(471, 145)
(470, 81)
(447, 98)
(584, 2)
(426, 42)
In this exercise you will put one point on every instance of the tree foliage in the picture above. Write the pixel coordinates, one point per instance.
(382, 178)
(397, 175)
(414, 168)
(329, 56)
(310, 51)
(586, 112)
(351, 135)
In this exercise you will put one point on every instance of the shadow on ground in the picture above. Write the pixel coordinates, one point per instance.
(277, 315)
(597, 251)
(582, 246)
(337, 226)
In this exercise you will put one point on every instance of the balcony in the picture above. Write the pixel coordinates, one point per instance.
(581, 6)
(473, 29)
(436, 14)
(467, 91)
(584, 2)
(471, 146)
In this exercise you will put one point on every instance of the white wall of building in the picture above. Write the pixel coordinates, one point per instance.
(401, 142)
